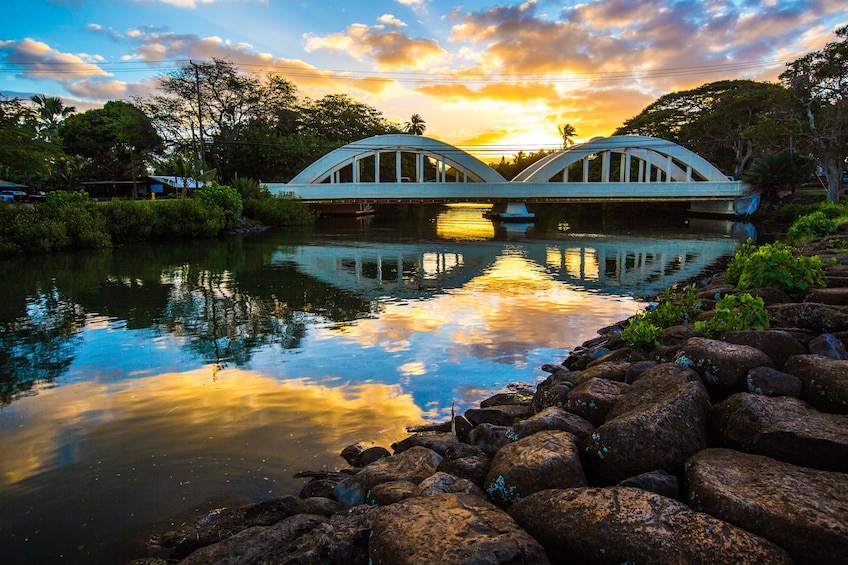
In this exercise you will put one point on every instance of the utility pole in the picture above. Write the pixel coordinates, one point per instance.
(199, 116)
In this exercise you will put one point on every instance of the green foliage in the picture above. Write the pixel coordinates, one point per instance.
(640, 333)
(129, 220)
(775, 172)
(788, 213)
(63, 197)
(774, 265)
(224, 197)
(735, 312)
(248, 188)
(24, 229)
(186, 217)
(673, 307)
(810, 227)
(278, 210)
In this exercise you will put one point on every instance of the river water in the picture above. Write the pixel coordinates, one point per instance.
(144, 386)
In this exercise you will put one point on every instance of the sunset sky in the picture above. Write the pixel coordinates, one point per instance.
(487, 75)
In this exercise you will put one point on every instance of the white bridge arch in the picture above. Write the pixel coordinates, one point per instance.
(409, 168)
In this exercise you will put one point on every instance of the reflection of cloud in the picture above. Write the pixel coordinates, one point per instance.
(180, 411)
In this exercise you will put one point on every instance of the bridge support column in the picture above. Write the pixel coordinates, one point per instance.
(510, 212)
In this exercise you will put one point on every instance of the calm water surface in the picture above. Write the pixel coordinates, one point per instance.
(144, 386)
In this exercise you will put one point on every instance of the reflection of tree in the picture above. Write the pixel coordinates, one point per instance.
(39, 346)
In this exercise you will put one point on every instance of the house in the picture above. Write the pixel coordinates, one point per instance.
(144, 187)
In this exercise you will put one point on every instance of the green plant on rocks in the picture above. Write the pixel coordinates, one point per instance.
(774, 265)
(735, 312)
(641, 333)
(673, 307)
(811, 226)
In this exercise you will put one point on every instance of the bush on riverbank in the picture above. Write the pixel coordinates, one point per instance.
(70, 220)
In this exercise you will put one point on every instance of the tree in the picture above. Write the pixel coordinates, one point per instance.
(715, 119)
(217, 109)
(51, 111)
(567, 133)
(24, 155)
(416, 125)
(338, 119)
(819, 83)
(117, 141)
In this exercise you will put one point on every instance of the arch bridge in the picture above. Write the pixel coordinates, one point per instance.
(410, 168)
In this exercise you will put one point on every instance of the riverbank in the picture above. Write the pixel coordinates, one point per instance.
(734, 448)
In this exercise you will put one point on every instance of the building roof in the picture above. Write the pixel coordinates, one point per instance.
(4, 184)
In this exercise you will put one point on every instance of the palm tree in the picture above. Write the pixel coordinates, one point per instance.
(415, 125)
(51, 110)
(567, 133)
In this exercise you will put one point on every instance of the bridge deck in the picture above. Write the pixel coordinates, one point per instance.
(511, 191)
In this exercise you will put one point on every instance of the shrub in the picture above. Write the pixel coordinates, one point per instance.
(224, 197)
(641, 333)
(84, 222)
(26, 230)
(129, 220)
(774, 265)
(62, 197)
(186, 217)
(278, 210)
(735, 313)
(811, 226)
(248, 188)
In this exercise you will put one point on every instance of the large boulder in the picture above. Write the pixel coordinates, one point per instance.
(820, 318)
(802, 510)
(825, 381)
(466, 462)
(343, 539)
(631, 525)
(451, 528)
(722, 366)
(442, 483)
(656, 424)
(413, 465)
(783, 428)
(437, 441)
(779, 345)
(552, 418)
(547, 459)
(771, 382)
(488, 437)
(593, 398)
(500, 415)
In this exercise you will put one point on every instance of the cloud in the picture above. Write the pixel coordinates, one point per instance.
(39, 60)
(388, 48)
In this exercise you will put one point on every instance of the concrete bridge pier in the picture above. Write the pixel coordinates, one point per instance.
(510, 212)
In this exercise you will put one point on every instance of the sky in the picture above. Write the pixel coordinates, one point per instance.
(489, 76)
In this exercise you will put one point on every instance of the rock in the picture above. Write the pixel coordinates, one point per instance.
(372, 454)
(443, 483)
(635, 370)
(552, 418)
(619, 355)
(320, 505)
(657, 482)
(827, 345)
(779, 345)
(656, 424)
(551, 392)
(502, 415)
(218, 552)
(631, 525)
(351, 453)
(832, 296)
(825, 381)
(466, 462)
(437, 441)
(783, 428)
(607, 371)
(771, 382)
(225, 522)
(255, 549)
(488, 437)
(342, 540)
(547, 459)
(769, 295)
(452, 528)
(802, 510)
(391, 492)
(722, 366)
(820, 318)
(593, 398)
(507, 399)
(715, 292)
(462, 428)
(678, 335)
(414, 465)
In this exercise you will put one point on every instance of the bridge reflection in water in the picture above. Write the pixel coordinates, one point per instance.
(621, 265)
